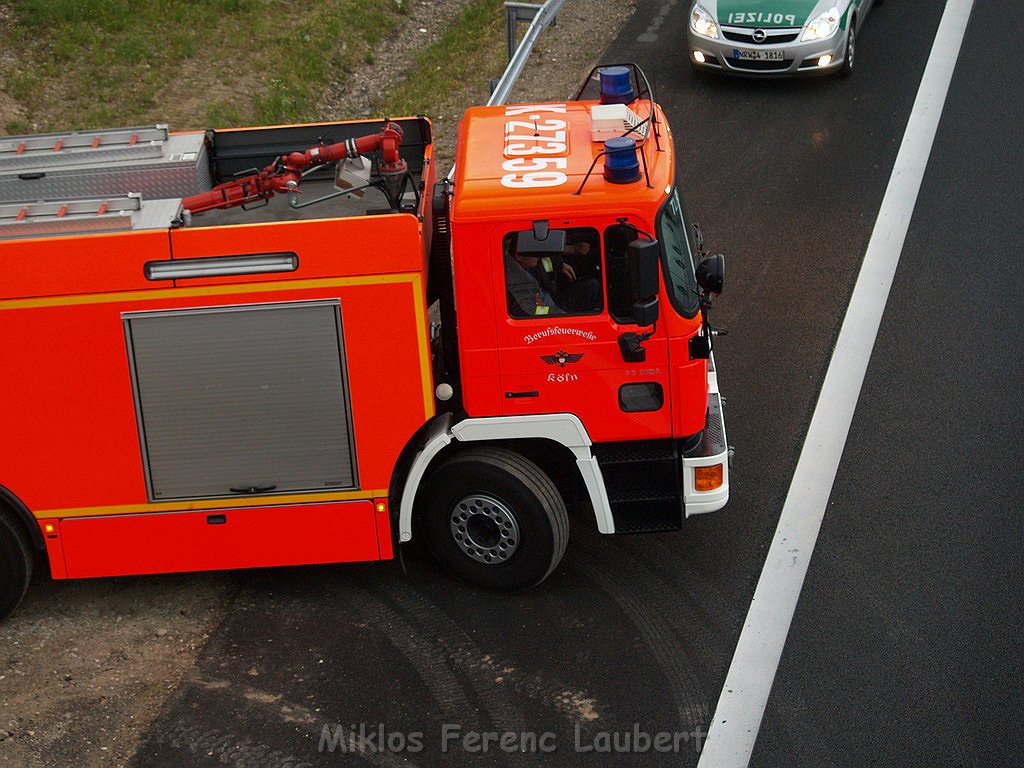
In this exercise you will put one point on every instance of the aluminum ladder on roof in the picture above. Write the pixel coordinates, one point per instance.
(67, 217)
(43, 150)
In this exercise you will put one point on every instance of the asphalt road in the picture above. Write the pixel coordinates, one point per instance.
(905, 647)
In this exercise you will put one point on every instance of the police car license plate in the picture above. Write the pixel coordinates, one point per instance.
(773, 55)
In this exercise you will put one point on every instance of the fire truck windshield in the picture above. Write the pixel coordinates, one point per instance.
(674, 232)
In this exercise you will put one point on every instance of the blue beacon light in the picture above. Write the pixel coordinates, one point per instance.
(620, 162)
(616, 87)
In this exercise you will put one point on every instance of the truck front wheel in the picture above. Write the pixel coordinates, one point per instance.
(494, 519)
(15, 564)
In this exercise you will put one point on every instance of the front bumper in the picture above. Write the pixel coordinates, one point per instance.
(797, 58)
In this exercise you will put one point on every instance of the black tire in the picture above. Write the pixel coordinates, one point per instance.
(849, 55)
(493, 518)
(15, 564)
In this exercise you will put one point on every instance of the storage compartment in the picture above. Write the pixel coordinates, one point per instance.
(147, 160)
(242, 401)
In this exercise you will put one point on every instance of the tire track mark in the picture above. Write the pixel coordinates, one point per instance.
(485, 671)
(222, 747)
(428, 657)
(651, 605)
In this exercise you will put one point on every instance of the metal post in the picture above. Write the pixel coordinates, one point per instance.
(515, 13)
(543, 16)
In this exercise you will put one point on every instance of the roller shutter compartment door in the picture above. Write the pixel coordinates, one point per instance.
(242, 400)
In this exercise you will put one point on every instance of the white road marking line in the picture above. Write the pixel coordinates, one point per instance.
(737, 717)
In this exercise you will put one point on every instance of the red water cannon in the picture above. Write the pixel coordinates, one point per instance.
(285, 173)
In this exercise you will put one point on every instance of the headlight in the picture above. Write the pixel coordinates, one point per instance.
(703, 23)
(822, 26)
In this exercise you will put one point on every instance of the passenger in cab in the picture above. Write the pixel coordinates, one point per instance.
(552, 283)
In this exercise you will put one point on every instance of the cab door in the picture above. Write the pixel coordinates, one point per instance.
(570, 359)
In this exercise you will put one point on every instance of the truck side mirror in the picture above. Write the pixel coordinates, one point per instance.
(646, 312)
(642, 268)
(711, 273)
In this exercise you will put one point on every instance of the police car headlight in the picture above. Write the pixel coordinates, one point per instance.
(822, 26)
(703, 23)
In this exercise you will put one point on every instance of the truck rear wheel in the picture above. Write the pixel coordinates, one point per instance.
(15, 564)
(494, 519)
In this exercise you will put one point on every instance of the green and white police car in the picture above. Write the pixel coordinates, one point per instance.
(775, 37)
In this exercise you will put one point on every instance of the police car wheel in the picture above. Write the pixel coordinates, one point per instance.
(850, 56)
(15, 564)
(493, 518)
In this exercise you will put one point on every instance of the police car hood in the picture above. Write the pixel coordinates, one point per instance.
(768, 13)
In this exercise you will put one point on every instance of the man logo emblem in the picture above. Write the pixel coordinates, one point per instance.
(759, 35)
(561, 358)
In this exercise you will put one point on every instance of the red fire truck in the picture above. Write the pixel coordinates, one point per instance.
(293, 345)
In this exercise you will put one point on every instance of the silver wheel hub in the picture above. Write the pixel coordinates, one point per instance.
(484, 529)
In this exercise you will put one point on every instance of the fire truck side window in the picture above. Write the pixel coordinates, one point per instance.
(620, 302)
(539, 284)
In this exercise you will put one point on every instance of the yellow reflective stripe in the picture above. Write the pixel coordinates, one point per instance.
(209, 290)
(548, 265)
(185, 505)
(542, 310)
(422, 336)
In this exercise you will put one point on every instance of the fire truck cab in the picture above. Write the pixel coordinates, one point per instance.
(207, 365)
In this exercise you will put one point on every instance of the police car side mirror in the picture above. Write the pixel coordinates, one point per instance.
(642, 268)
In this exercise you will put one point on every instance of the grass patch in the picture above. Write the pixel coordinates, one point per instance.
(469, 52)
(222, 63)
(98, 63)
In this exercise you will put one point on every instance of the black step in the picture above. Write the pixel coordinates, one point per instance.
(643, 482)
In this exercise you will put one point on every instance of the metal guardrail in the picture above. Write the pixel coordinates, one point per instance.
(542, 16)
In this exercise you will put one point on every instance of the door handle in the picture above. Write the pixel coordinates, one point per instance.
(221, 266)
(253, 488)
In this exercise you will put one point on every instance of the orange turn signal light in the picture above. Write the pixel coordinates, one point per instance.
(709, 478)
